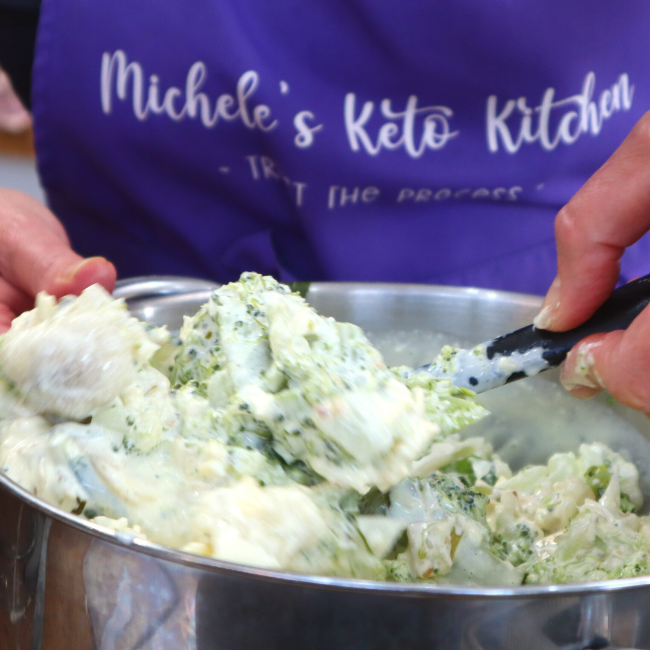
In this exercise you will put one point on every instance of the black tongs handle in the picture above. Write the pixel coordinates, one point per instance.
(616, 313)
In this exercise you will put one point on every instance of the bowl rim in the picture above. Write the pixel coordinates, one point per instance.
(151, 286)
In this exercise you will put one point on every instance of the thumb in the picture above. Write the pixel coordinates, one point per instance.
(618, 362)
(35, 254)
(81, 273)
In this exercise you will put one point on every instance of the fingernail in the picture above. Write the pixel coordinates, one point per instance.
(75, 279)
(579, 371)
(551, 305)
(71, 276)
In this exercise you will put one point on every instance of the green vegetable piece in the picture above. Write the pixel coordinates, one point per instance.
(490, 478)
(597, 477)
(464, 468)
(301, 473)
(400, 546)
(465, 500)
(301, 288)
(374, 502)
(349, 502)
(626, 504)
(516, 550)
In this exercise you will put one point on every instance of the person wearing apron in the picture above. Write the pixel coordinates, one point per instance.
(343, 140)
(340, 140)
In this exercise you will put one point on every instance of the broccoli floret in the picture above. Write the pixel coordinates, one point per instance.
(597, 477)
(437, 496)
(471, 469)
(457, 497)
(398, 571)
(516, 550)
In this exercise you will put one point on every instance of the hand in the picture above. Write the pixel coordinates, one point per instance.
(35, 255)
(609, 213)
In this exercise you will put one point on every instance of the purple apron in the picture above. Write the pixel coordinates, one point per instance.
(336, 139)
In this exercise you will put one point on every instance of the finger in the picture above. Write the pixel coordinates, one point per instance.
(35, 254)
(618, 361)
(15, 300)
(580, 374)
(608, 214)
(27, 205)
(92, 270)
(6, 316)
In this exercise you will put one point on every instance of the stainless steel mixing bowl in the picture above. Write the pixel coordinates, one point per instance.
(67, 584)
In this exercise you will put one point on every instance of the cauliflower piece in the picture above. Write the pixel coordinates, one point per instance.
(74, 357)
(120, 525)
(264, 527)
(600, 543)
(37, 458)
(431, 545)
(551, 495)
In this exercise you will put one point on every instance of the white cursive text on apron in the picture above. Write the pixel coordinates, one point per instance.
(118, 76)
(587, 116)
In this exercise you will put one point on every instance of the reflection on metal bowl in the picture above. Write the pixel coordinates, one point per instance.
(67, 583)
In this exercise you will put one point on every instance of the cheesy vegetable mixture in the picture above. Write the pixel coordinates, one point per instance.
(269, 435)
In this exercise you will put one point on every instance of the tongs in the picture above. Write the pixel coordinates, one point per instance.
(529, 351)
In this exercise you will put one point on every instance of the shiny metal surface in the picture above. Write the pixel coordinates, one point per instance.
(66, 583)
